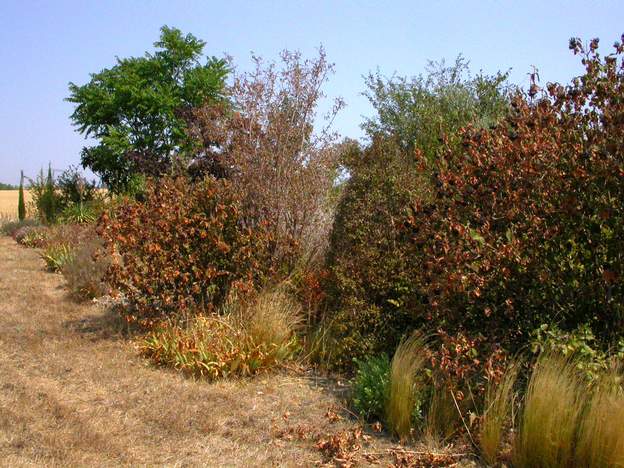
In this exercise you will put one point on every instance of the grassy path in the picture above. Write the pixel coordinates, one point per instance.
(74, 392)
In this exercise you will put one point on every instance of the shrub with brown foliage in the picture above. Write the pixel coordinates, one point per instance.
(185, 247)
(269, 149)
(374, 287)
(521, 224)
(85, 272)
(525, 224)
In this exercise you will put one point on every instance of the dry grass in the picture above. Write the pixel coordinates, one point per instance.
(499, 402)
(442, 416)
(409, 359)
(601, 434)
(550, 415)
(74, 392)
(273, 319)
(8, 202)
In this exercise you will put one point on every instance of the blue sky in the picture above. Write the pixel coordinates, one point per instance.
(46, 44)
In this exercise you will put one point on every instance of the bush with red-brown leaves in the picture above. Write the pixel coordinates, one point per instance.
(186, 246)
(526, 222)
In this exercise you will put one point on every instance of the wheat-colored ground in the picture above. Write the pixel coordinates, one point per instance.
(73, 392)
(8, 202)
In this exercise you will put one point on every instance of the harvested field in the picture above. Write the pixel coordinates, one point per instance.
(8, 202)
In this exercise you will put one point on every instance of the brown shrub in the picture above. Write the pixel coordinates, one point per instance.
(85, 273)
(185, 247)
(283, 169)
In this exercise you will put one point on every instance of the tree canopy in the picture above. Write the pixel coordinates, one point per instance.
(419, 111)
(136, 109)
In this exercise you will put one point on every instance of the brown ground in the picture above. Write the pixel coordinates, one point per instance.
(74, 392)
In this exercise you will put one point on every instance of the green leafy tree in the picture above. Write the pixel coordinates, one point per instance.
(136, 110)
(21, 204)
(421, 111)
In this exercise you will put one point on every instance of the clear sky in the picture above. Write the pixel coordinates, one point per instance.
(46, 44)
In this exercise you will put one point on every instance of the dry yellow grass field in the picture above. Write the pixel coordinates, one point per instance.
(8, 202)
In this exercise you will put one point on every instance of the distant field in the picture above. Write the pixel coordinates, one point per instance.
(8, 202)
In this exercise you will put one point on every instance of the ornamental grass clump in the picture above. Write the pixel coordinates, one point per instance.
(601, 433)
(406, 385)
(499, 400)
(247, 340)
(550, 415)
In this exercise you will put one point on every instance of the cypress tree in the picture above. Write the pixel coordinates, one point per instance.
(21, 205)
(49, 207)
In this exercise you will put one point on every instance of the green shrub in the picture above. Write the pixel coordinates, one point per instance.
(74, 188)
(580, 345)
(371, 294)
(45, 197)
(370, 386)
(185, 247)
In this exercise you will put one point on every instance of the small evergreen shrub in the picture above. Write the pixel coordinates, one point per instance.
(21, 204)
(370, 387)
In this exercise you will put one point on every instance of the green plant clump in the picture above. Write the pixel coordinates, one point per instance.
(56, 256)
(370, 386)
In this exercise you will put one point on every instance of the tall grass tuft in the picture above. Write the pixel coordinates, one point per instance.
(601, 433)
(271, 321)
(550, 415)
(85, 271)
(442, 416)
(406, 385)
(499, 400)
